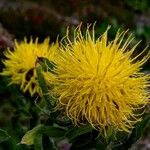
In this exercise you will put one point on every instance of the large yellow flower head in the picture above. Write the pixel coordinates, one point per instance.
(21, 63)
(99, 81)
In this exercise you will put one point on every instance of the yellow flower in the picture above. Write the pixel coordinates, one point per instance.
(99, 81)
(20, 63)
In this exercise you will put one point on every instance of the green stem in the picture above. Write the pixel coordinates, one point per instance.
(44, 88)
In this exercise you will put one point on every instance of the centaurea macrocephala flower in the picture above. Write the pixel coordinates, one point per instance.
(21, 63)
(100, 81)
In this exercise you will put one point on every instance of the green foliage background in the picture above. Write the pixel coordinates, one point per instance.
(18, 114)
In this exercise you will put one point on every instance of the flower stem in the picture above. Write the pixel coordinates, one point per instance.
(44, 88)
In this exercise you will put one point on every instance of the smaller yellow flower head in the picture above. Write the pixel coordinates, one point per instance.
(20, 63)
(99, 81)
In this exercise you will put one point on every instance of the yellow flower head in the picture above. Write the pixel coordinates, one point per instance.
(20, 63)
(99, 81)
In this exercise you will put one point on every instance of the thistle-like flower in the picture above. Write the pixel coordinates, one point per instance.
(21, 63)
(100, 82)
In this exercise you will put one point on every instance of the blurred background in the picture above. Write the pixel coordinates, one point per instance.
(42, 18)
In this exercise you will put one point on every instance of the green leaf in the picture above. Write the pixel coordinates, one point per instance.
(135, 135)
(50, 65)
(24, 112)
(75, 132)
(3, 136)
(54, 131)
(46, 64)
(140, 128)
(38, 142)
(110, 134)
(29, 137)
(51, 131)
